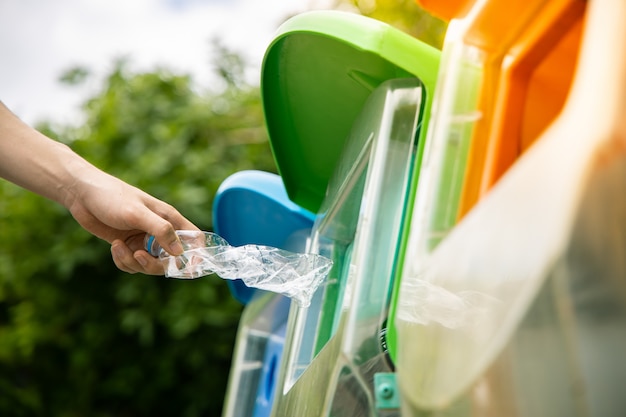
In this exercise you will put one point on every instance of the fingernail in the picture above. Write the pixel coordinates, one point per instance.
(117, 251)
(141, 260)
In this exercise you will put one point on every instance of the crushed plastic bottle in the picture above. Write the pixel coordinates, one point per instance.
(295, 275)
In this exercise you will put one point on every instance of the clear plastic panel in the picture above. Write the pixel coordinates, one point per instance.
(259, 347)
(359, 229)
(442, 173)
(260, 334)
(563, 357)
(521, 310)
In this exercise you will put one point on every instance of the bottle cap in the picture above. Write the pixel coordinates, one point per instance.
(151, 245)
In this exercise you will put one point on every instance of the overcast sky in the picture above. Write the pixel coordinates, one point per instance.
(39, 39)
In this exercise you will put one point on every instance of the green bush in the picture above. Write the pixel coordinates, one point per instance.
(77, 336)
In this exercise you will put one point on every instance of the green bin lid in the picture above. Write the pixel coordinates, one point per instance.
(316, 75)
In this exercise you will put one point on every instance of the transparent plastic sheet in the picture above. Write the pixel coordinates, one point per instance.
(427, 304)
(295, 275)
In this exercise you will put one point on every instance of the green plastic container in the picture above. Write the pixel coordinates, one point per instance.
(316, 76)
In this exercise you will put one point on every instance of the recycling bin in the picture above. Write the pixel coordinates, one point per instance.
(473, 209)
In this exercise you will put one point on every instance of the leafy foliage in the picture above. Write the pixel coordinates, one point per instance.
(77, 336)
(405, 15)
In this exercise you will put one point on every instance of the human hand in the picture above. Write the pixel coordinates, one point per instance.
(122, 215)
(104, 205)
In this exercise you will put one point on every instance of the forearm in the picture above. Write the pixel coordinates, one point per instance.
(35, 162)
(102, 204)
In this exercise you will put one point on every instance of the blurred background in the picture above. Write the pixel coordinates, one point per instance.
(163, 94)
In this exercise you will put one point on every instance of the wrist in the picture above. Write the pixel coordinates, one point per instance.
(72, 179)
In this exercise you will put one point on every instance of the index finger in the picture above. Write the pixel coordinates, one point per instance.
(163, 225)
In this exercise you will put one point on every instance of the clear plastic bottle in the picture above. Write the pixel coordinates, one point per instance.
(296, 275)
(190, 239)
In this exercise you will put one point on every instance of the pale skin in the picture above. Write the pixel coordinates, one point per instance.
(102, 204)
